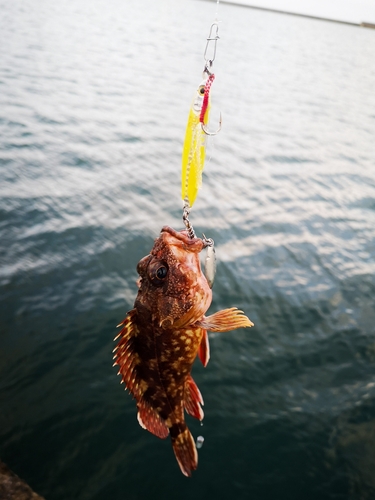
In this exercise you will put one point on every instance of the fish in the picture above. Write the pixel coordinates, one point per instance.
(164, 333)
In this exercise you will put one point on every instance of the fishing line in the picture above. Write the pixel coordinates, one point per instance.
(197, 130)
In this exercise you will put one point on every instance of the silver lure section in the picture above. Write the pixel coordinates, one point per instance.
(210, 261)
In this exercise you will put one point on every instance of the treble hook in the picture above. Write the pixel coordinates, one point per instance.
(207, 132)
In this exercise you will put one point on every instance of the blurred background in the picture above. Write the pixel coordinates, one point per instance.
(351, 11)
(94, 98)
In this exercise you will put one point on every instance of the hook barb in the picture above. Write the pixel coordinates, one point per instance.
(207, 132)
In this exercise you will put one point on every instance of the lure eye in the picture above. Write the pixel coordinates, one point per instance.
(201, 90)
(158, 272)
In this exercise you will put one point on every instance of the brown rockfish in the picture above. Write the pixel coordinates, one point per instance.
(162, 335)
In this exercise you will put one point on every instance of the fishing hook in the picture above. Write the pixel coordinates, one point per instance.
(205, 104)
(207, 132)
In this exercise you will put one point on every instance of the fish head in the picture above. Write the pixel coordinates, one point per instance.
(172, 286)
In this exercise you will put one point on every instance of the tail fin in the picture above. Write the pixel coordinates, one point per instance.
(184, 448)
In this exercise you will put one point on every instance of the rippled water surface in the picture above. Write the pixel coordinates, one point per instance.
(94, 99)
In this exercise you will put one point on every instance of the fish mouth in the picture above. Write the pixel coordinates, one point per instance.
(195, 245)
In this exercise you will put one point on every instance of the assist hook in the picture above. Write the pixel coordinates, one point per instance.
(205, 103)
(207, 132)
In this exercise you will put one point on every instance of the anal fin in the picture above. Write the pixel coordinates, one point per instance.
(193, 399)
(225, 320)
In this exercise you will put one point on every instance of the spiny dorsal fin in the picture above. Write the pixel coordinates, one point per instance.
(225, 320)
(193, 399)
(126, 357)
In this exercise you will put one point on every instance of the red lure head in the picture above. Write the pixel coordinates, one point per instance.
(206, 97)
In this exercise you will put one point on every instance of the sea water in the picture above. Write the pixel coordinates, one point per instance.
(94, 98)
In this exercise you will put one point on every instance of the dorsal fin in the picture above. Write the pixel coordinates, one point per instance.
(126, 357)
(150, 420)
(193, 399)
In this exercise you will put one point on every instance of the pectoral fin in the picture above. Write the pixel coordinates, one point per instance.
(225, 320)
(204, 349)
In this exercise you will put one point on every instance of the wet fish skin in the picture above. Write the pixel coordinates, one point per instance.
(162, 335)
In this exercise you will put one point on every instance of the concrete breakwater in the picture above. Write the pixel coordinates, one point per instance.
(14, 488)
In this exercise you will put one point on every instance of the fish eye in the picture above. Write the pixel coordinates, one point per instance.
(161, 273)
(158, 272)
(201, 90)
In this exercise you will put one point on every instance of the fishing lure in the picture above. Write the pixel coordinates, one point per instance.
(194, 149)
